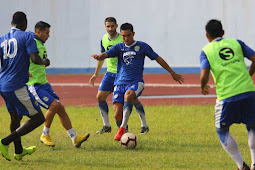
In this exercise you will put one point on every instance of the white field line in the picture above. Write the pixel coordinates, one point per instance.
(146, 85)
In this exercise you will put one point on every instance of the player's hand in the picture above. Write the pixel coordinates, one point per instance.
(205, 90)
(92, 79)
(95, 56)
(30, 75)
(46, 62)
(177, 77)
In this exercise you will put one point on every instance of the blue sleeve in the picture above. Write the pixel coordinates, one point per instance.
(204, 63)
(247, 51)
(102, 48)
(114, 51)
(150, 53)
(31, 46)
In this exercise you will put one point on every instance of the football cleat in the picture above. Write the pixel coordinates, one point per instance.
(119, 134)
(105, 129)
(144, 130)
(47, 140)
(5, 151)
(80, 139)
(26, 151)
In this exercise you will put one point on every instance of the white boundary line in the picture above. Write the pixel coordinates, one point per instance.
(146, 85)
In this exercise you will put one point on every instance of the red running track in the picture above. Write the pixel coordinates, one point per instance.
(86, 95)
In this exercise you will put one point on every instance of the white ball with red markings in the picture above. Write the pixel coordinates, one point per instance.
(128, 140)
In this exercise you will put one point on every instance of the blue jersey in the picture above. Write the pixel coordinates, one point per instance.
(131, 61)
(14, 53)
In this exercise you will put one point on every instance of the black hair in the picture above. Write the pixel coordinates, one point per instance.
(214, 28)
(41, 26)
(19, 19)
(127, 26)
(110, 19)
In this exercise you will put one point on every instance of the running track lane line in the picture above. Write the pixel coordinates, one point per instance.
(146, 85)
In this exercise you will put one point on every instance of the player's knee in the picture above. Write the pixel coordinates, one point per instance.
(40, 119)
(129, 96)
(101, 97)
(222, 133)
(54, 107)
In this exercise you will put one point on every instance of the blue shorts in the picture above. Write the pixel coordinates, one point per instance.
(120, 90)
(107, 83)
(44, 94)
(21, 101)
(241, 111)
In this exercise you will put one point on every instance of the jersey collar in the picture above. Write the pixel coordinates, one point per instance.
(131, 44)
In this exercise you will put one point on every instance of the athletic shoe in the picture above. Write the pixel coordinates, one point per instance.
(79, 140)
(47, 140)
(144, 130)
(119, 134)
(245, 167)
(5, 151)
(105, 129)
(26, 151)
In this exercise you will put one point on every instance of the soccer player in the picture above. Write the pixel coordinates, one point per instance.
(44, 94)
(235, 103)
(129, 80)
(107, 84)
(16, 48)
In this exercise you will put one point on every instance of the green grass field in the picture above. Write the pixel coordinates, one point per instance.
(180, 137)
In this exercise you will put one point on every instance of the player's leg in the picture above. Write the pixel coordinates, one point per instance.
(47, 98)
(25, 105)
(227, 113)
(105, 88)
(140, 111)
(248, 113)
(118, 112)
(77, 140)
(104, 111)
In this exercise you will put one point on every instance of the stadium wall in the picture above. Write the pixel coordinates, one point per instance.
(173, 28)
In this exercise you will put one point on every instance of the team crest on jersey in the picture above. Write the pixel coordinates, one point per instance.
(45, 98)
(115, 96)
(128, 57)
(137, 48)
(36, 103)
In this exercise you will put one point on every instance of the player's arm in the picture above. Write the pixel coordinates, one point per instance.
(252, 67)
(94, 76)
(176, 77)
(36, 59)
(204, 73)
(204, 78)
(100, 57)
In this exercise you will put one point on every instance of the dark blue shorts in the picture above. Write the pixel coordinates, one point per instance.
(107, 83)
(44, 94)
(241, 111)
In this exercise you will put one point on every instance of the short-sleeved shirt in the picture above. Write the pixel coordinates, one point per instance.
(15, 49)
(131, 61)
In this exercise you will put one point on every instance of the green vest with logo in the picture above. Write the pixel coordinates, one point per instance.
(107, 44)
(228, 68)
(38, 71)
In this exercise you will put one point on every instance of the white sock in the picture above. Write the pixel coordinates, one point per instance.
(105, 118)
(126, 113)
(72, 134)
(46, 131)
(230, 146)
(143, 119)
(251, 142)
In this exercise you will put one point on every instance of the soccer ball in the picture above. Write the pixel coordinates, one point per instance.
(128, 140)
